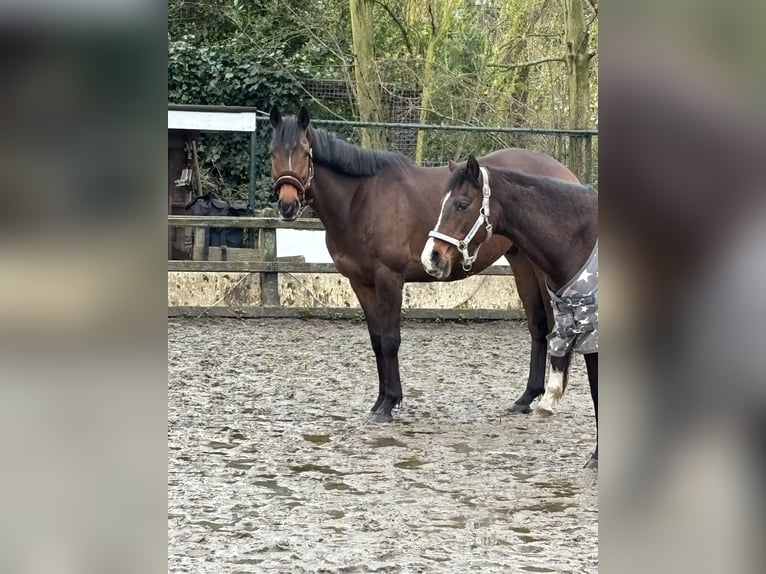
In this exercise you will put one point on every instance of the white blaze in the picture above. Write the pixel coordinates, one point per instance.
(425, 256)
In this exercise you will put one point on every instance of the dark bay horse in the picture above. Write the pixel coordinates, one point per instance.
(377, 208)
(556, 224)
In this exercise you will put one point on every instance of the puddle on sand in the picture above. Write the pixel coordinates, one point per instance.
(385, 441)
(332, 485)
(549, 506)
(528, 538)
(210, 525)
(316, 468)
(316, 438)
(274, 487)
(409, 463)
(217, 444)
(242, 464)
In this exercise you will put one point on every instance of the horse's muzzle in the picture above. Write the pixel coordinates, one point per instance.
(433, 263)
(288, 210)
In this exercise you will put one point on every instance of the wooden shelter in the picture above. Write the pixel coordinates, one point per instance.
(184, 126)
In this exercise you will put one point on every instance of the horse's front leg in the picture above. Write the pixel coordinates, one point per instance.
(388, 287)
(591, 363)
(539, 321)
(368, 299)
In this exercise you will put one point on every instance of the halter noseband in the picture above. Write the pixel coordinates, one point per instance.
(292, 178)
(462, 245)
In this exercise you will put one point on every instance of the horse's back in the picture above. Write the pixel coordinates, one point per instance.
(528, 161)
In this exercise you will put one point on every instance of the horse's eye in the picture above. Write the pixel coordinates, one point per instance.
(460, 206)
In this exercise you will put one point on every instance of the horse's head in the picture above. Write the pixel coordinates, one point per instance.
(464, 214)
(292, 163)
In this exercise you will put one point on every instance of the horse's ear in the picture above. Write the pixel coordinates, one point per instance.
(275, 117)
(303, 117)
(472, 167)
(451, 165)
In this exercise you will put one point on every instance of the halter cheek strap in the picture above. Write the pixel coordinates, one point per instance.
(483, 218)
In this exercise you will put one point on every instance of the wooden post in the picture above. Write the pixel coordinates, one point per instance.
(575, 159)
(195, 164)
(178, 246)
(250, 240)
(589, 160)
(267, 244)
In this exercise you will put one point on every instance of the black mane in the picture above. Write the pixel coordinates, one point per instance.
(340, 156)
(518, 178)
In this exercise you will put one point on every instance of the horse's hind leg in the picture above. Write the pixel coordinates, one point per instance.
(591, 362)
(532, 299)
(554, 388)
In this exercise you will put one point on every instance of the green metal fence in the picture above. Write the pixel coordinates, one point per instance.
(572, 147)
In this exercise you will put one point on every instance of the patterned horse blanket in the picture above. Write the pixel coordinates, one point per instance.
(575, 311)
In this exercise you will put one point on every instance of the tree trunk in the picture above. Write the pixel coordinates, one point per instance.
(425, 99)
(578, 62)
(367, 88)
(440, 15)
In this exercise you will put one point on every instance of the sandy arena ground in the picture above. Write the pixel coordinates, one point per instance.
(273, 465)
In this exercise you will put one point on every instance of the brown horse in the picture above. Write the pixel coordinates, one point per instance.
(377, 208)
(556, 224)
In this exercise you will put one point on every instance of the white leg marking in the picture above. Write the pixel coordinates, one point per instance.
(425, 256)
(554, 388)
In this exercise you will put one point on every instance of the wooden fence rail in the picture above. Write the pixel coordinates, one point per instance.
(265, 262)
(244, 222)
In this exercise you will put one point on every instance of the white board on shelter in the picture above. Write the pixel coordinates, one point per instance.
(311, 244)
(211, 121)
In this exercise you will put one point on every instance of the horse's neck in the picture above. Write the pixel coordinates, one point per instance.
(548, 238)
(332, 195)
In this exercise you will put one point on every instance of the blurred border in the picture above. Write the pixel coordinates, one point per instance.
(683, 225)
(83, 289)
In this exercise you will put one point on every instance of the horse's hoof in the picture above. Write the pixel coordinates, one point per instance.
(592, 464)
(543, 412)
(381, 417)
(520, 409)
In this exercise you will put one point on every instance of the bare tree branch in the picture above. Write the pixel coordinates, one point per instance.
(431, 17)
(526, 64)
(595, 15)
(399, 25)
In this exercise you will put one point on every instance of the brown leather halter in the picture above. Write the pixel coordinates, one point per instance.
(292, 178)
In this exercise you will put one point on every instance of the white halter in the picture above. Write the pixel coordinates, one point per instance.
(483, 217)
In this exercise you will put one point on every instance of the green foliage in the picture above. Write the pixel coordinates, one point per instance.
(263, 52)
(218, 72)
(250, 53)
